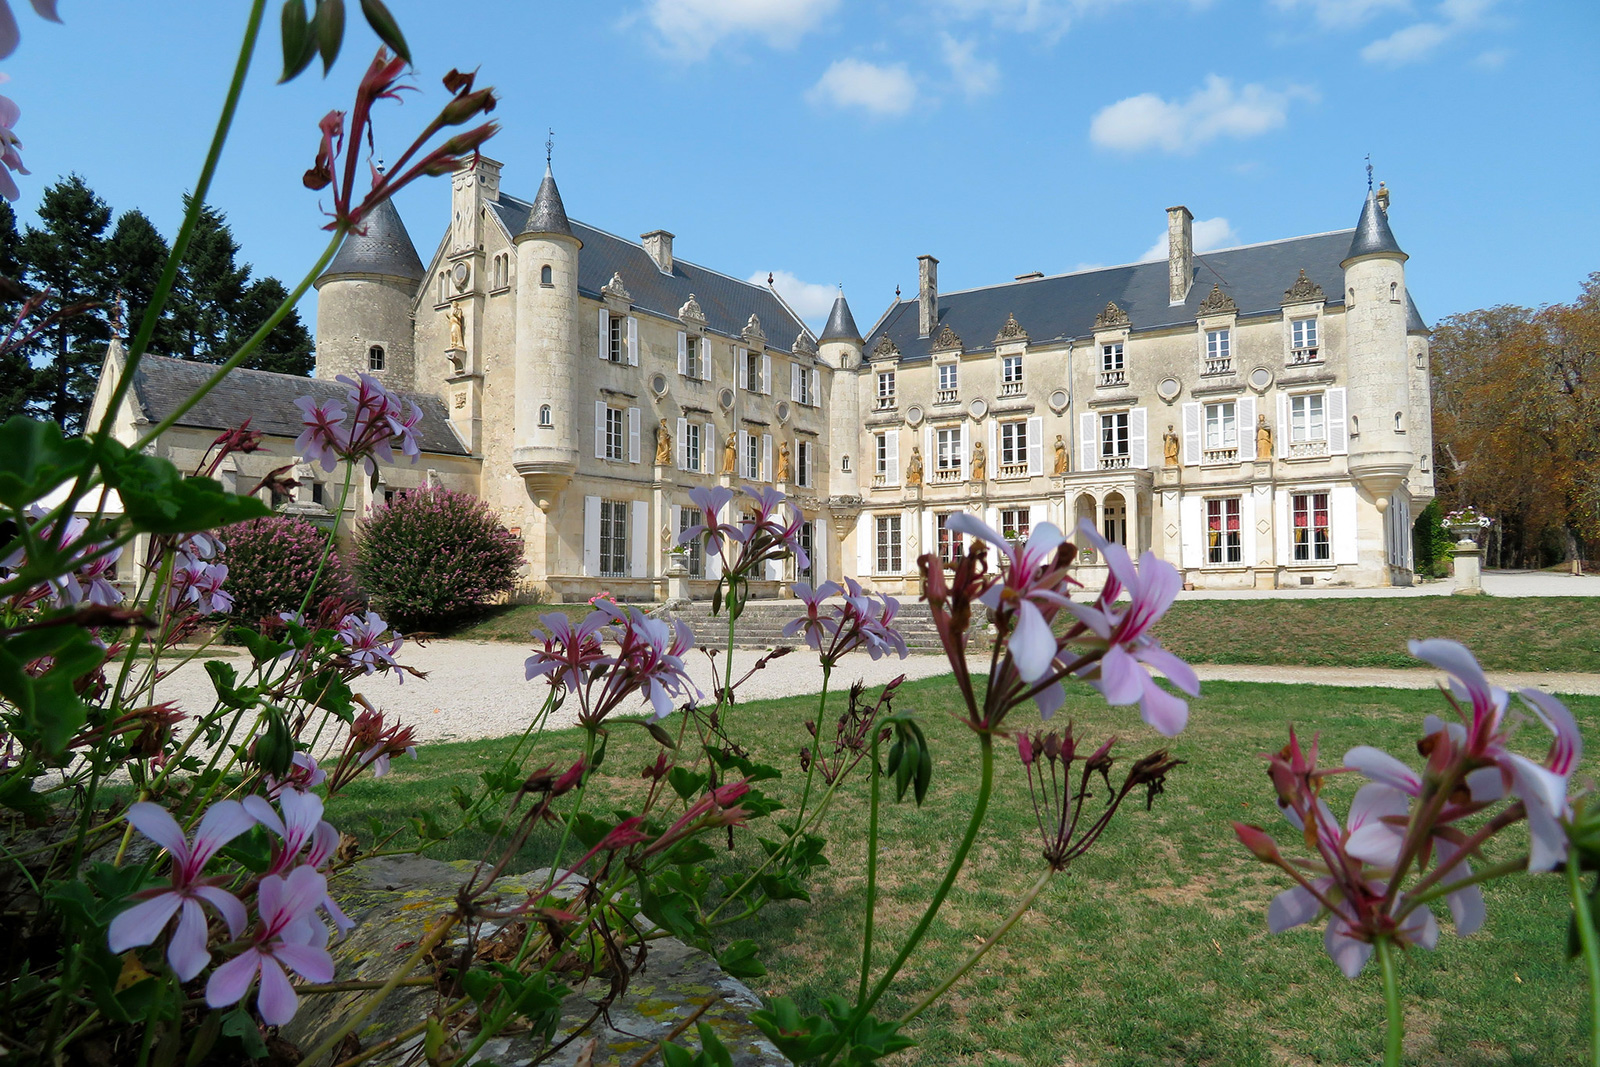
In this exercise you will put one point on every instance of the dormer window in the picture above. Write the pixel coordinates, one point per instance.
(886, 395)
(375, 357)
(947, 383)
(1219, 352)
(546, 275)
(1303, 346)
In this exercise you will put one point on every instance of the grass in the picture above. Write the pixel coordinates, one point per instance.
(1153, 949)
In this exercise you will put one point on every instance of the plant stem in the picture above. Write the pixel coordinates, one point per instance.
(1391, 997)
(816, 744)
(872, 868)
(1590, 947)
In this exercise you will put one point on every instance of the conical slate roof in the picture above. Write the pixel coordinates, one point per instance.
(1373, 235)
(385, 248)
(549, 215)
(841, 324)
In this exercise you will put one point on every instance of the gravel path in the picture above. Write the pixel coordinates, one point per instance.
(477, 689)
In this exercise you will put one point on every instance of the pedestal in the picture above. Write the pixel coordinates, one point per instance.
(678, 598)
(1469, 568)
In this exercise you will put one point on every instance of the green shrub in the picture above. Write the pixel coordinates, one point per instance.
(271, 563)
(1431, 542)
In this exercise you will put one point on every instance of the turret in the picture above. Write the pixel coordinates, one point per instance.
(364, 301)
(1380, 409)
(840, 347)
(546, 346)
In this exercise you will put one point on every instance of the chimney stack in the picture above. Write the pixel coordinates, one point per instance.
(659, 244)
(1180, 253)
(927, 295)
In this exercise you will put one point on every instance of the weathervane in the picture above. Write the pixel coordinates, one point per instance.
(1369, 172)
(549, 144)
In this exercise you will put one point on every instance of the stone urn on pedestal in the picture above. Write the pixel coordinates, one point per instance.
(1468, 557)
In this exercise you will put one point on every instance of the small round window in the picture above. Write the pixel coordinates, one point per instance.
(375, 357)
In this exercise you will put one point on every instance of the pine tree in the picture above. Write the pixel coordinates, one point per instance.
(135, 254)
(287, 349)
(16, 373)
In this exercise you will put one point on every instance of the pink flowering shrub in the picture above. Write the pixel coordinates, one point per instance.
(271, 564)
(432, 556)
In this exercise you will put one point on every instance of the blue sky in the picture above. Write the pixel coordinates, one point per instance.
(832, 141)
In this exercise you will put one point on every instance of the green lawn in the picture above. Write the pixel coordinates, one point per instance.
(1154, 948)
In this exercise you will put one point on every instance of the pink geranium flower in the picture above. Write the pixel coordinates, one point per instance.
(285, 903)
(144, 922)
(363, 638)
(323, 438)
(570, 652)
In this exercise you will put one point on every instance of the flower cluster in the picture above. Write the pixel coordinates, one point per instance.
(197, 576)
(370, 743)
(1467, 516)
(1406, 823)
(86, 566)
(852, 732)
(10, 146)
(768, 534)
(859, 620)
(370, 644)
(381, 420)
(648, 660)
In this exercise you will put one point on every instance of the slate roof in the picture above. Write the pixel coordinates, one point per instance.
(1372, 231)
(1414, 322)
(727, 302)
(1063, 306)
(549, 214)
(266, 399)
(841, 324)
(385, 248)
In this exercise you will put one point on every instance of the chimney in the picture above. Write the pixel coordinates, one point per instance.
(927, 295)
(1180, 253)
(659, 244)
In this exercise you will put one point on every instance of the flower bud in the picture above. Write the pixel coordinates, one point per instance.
(1025, 749)
(1259, 842)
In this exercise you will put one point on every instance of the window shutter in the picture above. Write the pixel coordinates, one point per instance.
(683, 353)
(891, 438)
(1283, 425)
(1342, 523)
(1038, 514)
(591, 536)
(816, 388)
(1088, 442)
(964, 461)
(1338, 431)
(599, 429)
(633, 435)
(1138, 445)
(1247, 528)
(930, 454)
(675, 520)
(766, 457)
(819, 551)
(605, 334)
(633, 341)
(1247, 427)
(710, 448)
(866, 532)
(766, 374)
(741, 463)
(741, 357)
(639, 538)
(994, 452)
(1191, 520)
(1280, 522)
(1035, 445)
(1192, 418)
(683, 448)
(794, 381)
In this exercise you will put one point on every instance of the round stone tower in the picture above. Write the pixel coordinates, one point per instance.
(546, 424)
(840, 348)
(364, 302)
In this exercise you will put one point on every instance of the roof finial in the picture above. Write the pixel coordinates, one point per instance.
(549, 146)
(378, 166)
(1369, 172)
(897, 292)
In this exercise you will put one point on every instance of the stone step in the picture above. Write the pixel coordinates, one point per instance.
(762, 621)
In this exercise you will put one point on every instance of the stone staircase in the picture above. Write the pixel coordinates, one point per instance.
(762, 622)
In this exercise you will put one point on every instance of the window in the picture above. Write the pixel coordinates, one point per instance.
(1306, 421)
(1219, 352)
(1114, 520)
(1312, 543)
(1303, 341)
(886, 389)
(546, 419)
(1114, 439)
(808, 538)
(1222, 429)
(882, 446)
(949, 441)
(375, 357)
(947, 383)
(613, 538)
(1011, 376)
(1016, 524)
(752, 457)
(444, 288)
(617, 352)
(1111, 356)
(691, 446)
(1014, 443)
(802, 463)
(316, 493)
(546, 275)
(951, 546)
(888, 529)
(844, 462)
(692, 347)
(752, 371)
(500, 272)
(802, 387)
(694, 552)
(1223, 544)
(616, 443)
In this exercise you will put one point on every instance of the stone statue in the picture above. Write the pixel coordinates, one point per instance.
(1263, 438)
(1061, 455)
(730, 453)
(914, 468)
(663, 444)
(458, 327)
(1169, 446)
(783, 462)
(977, 461)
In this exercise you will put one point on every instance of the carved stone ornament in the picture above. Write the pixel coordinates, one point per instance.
(1111, 318)
(1011, 331)
(1303, 291)
(804, 345)
(691, 313)
(615, 287)
(1218, 303)
(947, 339)
(885, 349)
(752, 330)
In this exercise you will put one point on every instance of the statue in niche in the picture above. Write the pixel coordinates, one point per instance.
(977, 461)
(1061, 455)
(458, 326)
(1169, 446)
(1263, 438)
(914, 467)
(663, 444)
(730, 453)
(783, 462)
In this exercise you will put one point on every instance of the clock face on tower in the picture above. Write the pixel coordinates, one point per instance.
(461, 272)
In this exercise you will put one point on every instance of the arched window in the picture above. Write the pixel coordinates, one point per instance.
(375, 357)
(1394, 292)
(545, 275)
(545, 418)
(1399, 422)
(444, 288)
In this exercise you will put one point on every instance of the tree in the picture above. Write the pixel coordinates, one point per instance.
(135, 254)
(16, 373)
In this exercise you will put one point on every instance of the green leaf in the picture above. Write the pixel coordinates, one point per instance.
(387, 29)
(238, 1024)
(48, 709)
(677, 1056)
(37, 459)
(739, 960)
(298, 45)
(262, 648)
(712, 1050)
(692, 851)
(223, 677)
(16, 793)
(158, 499)
(327, 25)
(331, 693)
(686, 783)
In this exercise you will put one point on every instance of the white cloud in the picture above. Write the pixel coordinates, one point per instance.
(1209, 234)
(1420, 40)
(1214, 110)
(691, 28)
(1493, 59)
(972, 76)
(810, 301)
(854, 83)
(1341, 13)
(1051, 18)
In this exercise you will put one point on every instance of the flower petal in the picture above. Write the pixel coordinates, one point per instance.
(187, 951)
(1350, 954)
(1421, 928)
(222, 822)
(1162, 711)
(312, 964)
(1032, 644)
(1177, 671)
(1050, 699)
(227, 906)
(156, 823)
(1379, 766)
(276, 1001)
(1121, 678)
(230, 982)
(1292, 908)
(142, 923)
